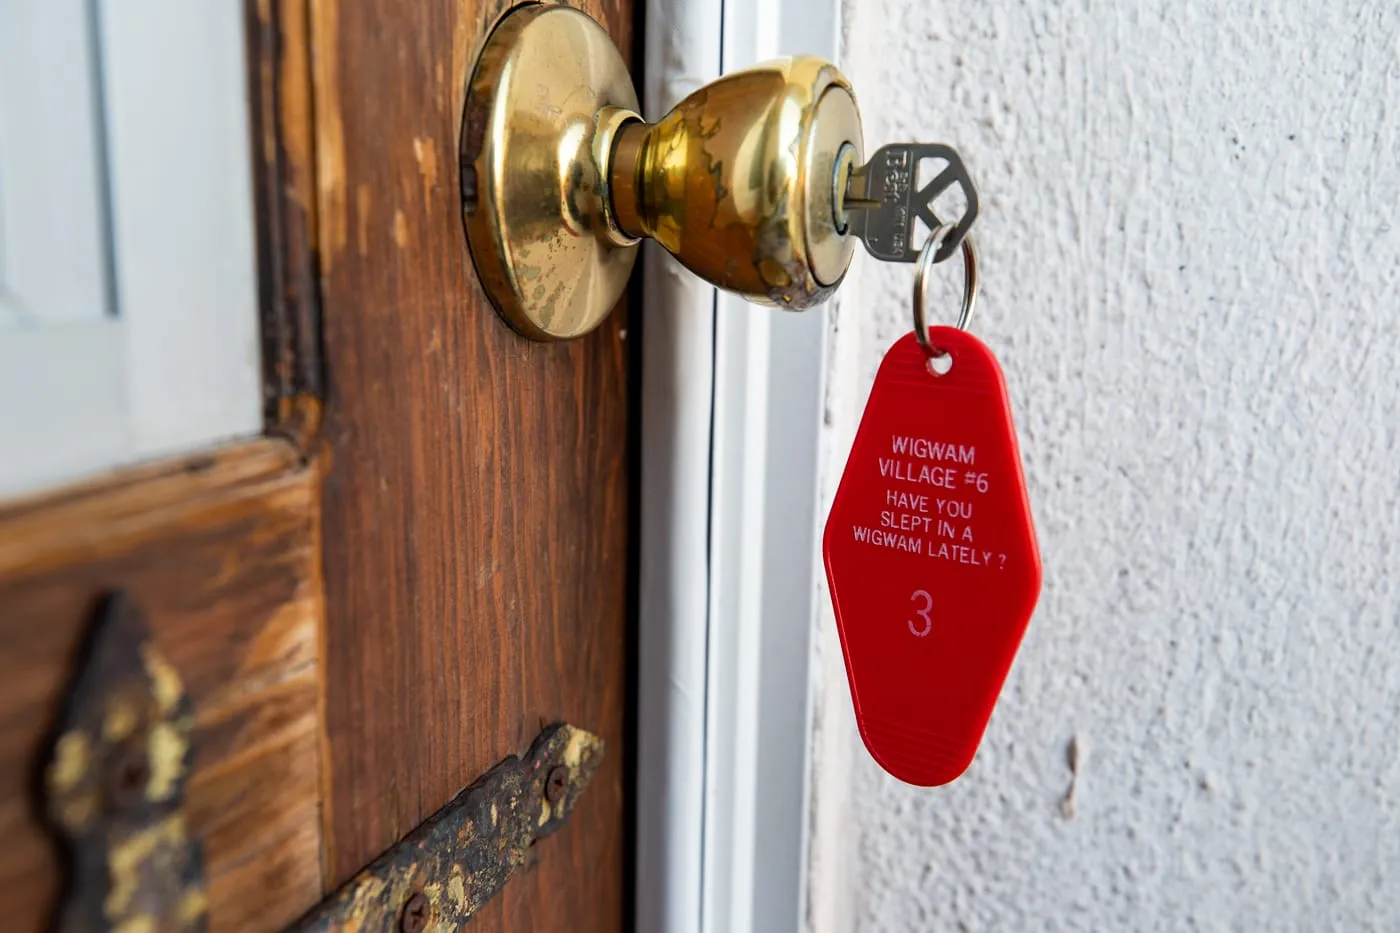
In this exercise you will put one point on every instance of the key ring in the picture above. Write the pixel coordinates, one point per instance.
(926, 261)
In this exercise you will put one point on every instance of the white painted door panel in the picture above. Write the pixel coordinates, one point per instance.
(128, 291)
(52, 242)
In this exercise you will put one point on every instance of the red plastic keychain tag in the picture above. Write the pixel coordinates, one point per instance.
(931, 557)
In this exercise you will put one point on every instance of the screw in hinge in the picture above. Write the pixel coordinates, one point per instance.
(127, 775)
(416, 914)
(556, 783)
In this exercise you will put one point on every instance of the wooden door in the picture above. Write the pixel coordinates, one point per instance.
(423, 563)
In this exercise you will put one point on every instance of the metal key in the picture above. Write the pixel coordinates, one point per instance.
(880, 204)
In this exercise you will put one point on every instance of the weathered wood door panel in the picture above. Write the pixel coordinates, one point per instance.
(427, 564)
(475, 504)
(219, 553)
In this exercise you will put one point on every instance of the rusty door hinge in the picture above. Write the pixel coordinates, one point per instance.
(114, 788)
(441, 874)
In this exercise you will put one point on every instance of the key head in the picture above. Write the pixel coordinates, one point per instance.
(883, 203)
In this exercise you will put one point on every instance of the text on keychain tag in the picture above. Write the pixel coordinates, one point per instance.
(931, 557)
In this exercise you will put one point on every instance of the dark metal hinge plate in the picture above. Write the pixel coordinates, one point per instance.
(114, 789)
(114, 786)
(441, 874)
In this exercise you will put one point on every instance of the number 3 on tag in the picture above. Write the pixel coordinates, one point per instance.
(927, 623)
(931, 557)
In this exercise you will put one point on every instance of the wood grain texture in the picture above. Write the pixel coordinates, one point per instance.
(476, 499)
(219, 552)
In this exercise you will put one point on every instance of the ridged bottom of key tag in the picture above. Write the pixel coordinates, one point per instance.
(931, 557)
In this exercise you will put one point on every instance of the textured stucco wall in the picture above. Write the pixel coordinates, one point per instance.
(1192, 277)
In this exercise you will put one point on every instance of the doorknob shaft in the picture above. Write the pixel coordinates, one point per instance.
(738, 181)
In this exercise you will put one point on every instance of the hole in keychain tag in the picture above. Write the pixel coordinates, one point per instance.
(931, 556)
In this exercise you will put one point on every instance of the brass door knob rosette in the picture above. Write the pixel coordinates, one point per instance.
(749, 182)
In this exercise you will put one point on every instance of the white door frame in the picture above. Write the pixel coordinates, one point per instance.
(731, 417)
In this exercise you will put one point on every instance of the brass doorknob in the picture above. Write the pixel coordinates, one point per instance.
(747, 182)
(739, 182)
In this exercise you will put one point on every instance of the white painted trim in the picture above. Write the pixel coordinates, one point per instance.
(765, 555)
(682, 45)
(727, 597)
(53, 244)
(75, 368)
(156, 187)
(182, 220)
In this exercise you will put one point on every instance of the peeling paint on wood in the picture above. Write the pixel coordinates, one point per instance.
(426, 154)
(284, 183)
(330, 135)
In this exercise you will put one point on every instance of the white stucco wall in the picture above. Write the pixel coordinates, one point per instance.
(1192, 277)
